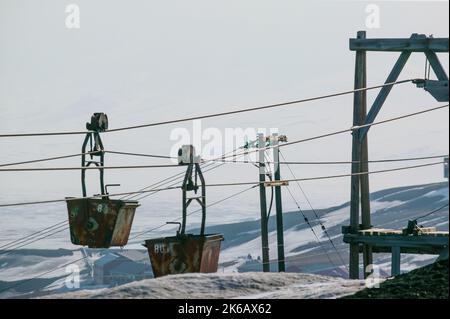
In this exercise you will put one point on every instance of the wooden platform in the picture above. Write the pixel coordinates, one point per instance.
(424, 231)
(429, 240)
(425, 241)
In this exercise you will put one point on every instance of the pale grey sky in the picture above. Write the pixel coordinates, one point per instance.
(144, 61)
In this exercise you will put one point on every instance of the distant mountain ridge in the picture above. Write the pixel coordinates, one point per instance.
(391, 208)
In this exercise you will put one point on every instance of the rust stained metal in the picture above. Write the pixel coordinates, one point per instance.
(100, 223)
(184, 254)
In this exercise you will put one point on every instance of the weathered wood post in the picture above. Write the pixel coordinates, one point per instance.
(396, 259)
(263, 205)
(364, 167)
(360, 183)
(358, 101)
(279, 207)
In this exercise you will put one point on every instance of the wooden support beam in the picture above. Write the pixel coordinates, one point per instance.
(360, 190)
(395, 261)
(364, 167)
(278, 205)
(426, 240)
(437, 66)
(263, 206)
(411, 250)
(417, 43)
(356, 159)
(438, 89)
(276, 183)
(384, 92)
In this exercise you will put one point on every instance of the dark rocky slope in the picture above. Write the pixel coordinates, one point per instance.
(429, 282)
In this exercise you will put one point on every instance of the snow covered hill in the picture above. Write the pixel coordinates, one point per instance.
(391, 208)
(248, 285)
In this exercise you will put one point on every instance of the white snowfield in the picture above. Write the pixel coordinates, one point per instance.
(226, 285)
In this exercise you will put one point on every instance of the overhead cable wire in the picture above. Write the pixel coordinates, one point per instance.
(403, 219)
(140, 154)
(310, 226)
(195, 211)
(97, 167)
(174, 182)
(77, 198)
(253, 150)
(23, 244)
(237, 111)
(19, 240)
(243, 110)
(180, 176)
(433, 212)
(387, 160)
(235, 184)
(33, 169)
(354, 128)
(324, 229)
(80, 154)
(332, 176)
(157, 184)
(46, 159)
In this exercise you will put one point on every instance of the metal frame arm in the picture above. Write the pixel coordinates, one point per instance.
(436, 65)
(98, 140)
(83, 164)
(185, 202)
(188, 201)
(203, 199)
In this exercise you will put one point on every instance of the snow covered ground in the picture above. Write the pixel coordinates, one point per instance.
(220, 285)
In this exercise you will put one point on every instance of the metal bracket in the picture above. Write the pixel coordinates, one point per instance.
(99, 123)
(190, 185)
(437, 88)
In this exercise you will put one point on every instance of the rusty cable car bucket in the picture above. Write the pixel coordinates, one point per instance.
(184, 254)
(98, 222)
(187, 253)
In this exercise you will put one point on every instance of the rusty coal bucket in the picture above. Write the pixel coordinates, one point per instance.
(184, 254)
(100, 222)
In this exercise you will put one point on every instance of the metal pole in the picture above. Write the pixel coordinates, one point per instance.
(280, 228)
(83, 164)
(263, 205)
(187, 176)
(99, 143)
(203, 200)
